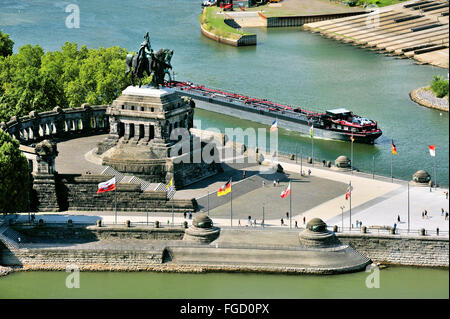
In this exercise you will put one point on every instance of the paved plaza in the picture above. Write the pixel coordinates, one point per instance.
(375, 202)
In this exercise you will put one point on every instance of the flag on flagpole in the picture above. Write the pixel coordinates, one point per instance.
(349, 192)
(393, 148)
(225, 189)
(274, 126)
(107, 186)
(352, 138)
(170, 188)
(286, 192)
(432, 149)
(311, 131)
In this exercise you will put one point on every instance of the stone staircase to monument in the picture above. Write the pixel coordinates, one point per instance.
(10, 237)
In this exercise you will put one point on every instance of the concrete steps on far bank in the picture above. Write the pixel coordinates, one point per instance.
(396, 29)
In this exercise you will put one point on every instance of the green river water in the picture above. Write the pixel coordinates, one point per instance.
(289, 66)
(395, 282)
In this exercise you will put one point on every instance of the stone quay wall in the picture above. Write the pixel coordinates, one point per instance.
(294, 21)
(429, 251)
(80, 232)
(52, 258)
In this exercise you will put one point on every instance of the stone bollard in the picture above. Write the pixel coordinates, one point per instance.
(41, 222)
(392, 231)
(291, 157)
(157, 224)
(185, 224)
(69, 223)
(127, 223)
(309, 160)
(364, 230)
(328, 164)
(422, 232)
(99, 223)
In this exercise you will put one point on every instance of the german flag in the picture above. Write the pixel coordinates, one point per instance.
(393, 148)
(352, 138)
(225, 189)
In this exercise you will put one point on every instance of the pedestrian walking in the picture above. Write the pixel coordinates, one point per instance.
(446, 215)
(287, 215)
(239, 222)
(357, 223)
(296, 225)
(309, 172)
(278, 182)
(426, 214)
(304, 220)
(398, 218)
(423, 215)
(254, 222)
(442, 212)
(263, 184)
(274, 183)
(243, 175)
(323, 162)
(184, 214)
(190, 215)
(282, 221)
(437, 231)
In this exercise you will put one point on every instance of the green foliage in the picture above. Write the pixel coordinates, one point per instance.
(36, 80)
(439, 86)
(378, 3)
(14, 176)
(6, 45)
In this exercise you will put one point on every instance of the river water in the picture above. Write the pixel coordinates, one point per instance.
(394, 282)
(288, 66)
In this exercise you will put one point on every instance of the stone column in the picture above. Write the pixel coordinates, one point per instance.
(147, 132)
(127, 131)
(136, 131)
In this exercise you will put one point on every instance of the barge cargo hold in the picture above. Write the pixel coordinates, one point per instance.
(337, 124)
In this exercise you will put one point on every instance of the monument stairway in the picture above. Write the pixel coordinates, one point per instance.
(121, 178)
(10, 238)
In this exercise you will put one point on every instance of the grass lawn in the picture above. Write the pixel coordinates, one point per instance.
(214, 22)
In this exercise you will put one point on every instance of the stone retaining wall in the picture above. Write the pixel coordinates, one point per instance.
(426, 98)
(63, 232)
(401, 250)
(79, 193)
(242, 41)
(64, 257)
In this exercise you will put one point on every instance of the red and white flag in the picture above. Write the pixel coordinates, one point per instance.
(107, 186)
(286, 192)
(349, 192)
(432, 149)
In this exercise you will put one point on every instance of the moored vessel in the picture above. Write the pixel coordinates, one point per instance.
(336, 124)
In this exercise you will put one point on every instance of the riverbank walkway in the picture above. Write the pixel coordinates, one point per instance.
(415, 29)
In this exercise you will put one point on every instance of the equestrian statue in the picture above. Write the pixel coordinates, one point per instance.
(146, 61)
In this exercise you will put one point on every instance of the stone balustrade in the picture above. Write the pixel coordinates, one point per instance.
(61, 123)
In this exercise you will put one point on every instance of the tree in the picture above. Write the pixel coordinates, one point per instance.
(14, 176)
(6, 45)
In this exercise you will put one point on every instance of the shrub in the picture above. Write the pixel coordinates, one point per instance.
(439, 86)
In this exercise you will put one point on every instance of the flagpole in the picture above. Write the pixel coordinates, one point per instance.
(408, 207)
(173, 217)
(350, 205)
(290, 205)
(351, 156)
(301, 161)
(115, 203)
(208, 202)
(231, 206)
(312, 150)
(392, 176)
(262, 224)
(373, 167)
(296, 152)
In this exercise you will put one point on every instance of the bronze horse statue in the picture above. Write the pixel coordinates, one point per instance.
(157, 64)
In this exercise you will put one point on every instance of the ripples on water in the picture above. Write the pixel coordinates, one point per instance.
(288, 65)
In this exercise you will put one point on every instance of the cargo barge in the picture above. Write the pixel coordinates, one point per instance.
(336, 124)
